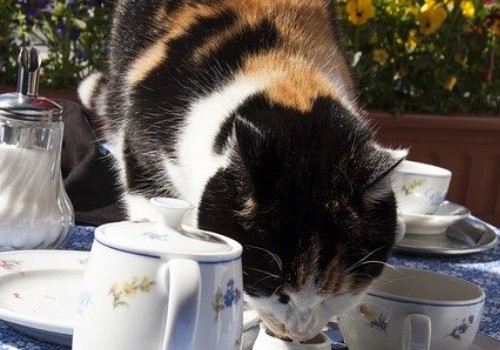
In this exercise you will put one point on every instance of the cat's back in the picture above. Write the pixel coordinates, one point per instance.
(205, 42)
(181, 70)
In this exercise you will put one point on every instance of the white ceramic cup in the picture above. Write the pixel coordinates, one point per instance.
(413, 309)
(419, 188)
(151, 286)
(266, 341)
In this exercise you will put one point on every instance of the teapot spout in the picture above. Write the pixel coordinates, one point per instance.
(170, 211)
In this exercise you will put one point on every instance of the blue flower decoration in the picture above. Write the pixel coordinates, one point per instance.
(226, 300)
(233, 294)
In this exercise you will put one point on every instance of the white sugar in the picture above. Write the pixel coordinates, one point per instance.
(29, 190)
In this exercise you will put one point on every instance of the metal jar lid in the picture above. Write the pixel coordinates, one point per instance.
(25, 104)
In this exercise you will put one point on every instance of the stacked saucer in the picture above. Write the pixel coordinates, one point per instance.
(447, 214)
(434, 225)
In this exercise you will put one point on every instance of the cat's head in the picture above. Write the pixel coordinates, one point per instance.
(309, 197)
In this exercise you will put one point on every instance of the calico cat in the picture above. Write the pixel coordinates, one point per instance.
(247, 109)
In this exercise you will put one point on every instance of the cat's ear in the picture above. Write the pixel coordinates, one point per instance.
(382, 161)
(258, 154)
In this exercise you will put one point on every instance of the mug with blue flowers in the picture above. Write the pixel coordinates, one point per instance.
(158, 286)
(414, 309)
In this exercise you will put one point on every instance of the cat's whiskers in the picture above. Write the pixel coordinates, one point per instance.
(363, 274)
(274, 256)
(378, 262)
(263, 279)
(356, 264)
(263, 272)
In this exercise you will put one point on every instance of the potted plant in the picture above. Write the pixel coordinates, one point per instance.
(71, 35)
(425, 69)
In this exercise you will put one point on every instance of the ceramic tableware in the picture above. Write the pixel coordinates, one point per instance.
(466, 236)
(413, 309)
(266, 341)
(39, 292)
(159, 286)
(446, 215)
(419, 188)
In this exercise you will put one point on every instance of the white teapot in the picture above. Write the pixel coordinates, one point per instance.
(159, 286)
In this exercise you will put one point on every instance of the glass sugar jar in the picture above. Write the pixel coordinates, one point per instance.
(35, 211)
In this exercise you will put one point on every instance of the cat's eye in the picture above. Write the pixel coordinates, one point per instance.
(283, 298)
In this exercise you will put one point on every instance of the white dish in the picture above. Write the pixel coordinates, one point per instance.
(446, 215)
(464, 237)
(39, 293)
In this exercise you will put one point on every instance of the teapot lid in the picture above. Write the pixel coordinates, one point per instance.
(25, 104)
(167, 237)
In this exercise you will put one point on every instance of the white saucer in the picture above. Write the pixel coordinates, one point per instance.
(39, 292)
(446, 215)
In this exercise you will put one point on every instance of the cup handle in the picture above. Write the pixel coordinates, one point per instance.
(183, 280)
(417, 332)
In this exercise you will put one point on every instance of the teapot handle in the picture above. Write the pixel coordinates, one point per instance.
(182, 277)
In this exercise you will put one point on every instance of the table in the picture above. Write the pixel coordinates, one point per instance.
(481, 268)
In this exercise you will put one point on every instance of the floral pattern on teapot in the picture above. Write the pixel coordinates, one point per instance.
(222, 301)
(127, 290)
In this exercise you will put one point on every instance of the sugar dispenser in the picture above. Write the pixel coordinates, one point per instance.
(35, 211)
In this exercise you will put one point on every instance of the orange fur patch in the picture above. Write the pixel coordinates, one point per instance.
(178, 25)
(291, 80)
(303, 25)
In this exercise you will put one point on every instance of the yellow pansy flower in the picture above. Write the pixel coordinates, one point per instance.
(412, 10)
(427, 5)
(495, 27)
(360, 11)
(468, 9)
(450, 82)
(450, 4)
(431, 17)
(380, 55)
(412, 41)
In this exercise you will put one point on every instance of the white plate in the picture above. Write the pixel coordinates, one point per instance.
(446, 215)
(39, 292)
